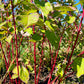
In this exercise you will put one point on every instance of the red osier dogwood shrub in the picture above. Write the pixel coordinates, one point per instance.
(41, 41)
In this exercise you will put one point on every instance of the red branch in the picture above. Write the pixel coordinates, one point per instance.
(40, 60)
(4, 56)
(15, 38)
(34, 55)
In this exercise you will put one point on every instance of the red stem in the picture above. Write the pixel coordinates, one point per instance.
(30, 47)
(4, 56)
(9, 59)
(40, 60)
(13, 55)
(7, 53)
(12, 49)
(15, 38)
(21, 40)
(54, 80)
(34, 56)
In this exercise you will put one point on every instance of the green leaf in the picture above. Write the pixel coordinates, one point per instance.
(14, 76)
(3, 27)
(81, 2)
(32, 19)
(30, 67)
(71, 19)
(15, 2)
(29, 0)
(77, 4)
(32, 40)
(8, 39)
(15, 70)
(43, 31)
(3, 24)
(1, 6)
(54, 39)
(47, 23)
(24, 74)
(2, 38)
(28, 20)
(45, 7)
(48, 8)
(64, 8)
(24, 19)
(29, 30)
(78, 66)
(60, 70)
(36, 37)
(3, 32)
(31, 11)
(11, 68)
(10, 17)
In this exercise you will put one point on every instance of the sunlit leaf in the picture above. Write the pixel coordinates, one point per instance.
(24, 19)
(45, 7)
(32, 18)
(24, 74)
(31, 11)
(78, 66)
(15, 70)
(3, 23)
(47, 23)
(29, 30)
(3, 32)
(48, 8)
(71, 19)
(8, 39)
(15, 2)
(14, 76)
(65, 8)
(2, 38)
(30, 67)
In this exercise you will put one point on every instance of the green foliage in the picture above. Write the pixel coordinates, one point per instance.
(36, 37)
(30, 19)
(8, 39)
(15, 2)
(78, 66)
(11, 67)
(47, 23)
(14, 76)
(45, 7)
(29, 30)
(71, 19)
(64, 8)
(55, 40)
(23, 74)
